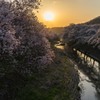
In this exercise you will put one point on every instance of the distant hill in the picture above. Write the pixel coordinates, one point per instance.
(94, 21)
(57, 30)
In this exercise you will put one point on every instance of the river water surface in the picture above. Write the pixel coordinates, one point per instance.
(88, 88)
(89, 91)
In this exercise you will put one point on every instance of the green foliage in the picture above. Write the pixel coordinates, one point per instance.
(57, 82)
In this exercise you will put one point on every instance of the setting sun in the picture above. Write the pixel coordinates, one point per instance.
(49, 49)
(49, 16)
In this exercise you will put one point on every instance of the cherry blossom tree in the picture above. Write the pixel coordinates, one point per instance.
(82, 34)
(24, 48)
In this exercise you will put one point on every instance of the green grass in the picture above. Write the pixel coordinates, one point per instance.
(57, 82)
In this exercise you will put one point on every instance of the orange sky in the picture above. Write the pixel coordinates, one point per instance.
(68, 11)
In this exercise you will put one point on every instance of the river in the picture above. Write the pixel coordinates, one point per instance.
(87, 86)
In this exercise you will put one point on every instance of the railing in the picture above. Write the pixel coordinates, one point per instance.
(89, 51)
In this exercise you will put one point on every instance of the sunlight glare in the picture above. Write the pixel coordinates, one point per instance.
(48, 16)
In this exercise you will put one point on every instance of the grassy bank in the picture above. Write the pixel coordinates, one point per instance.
(59, 81)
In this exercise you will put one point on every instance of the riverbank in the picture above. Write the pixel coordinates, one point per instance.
(89, 78)
(70, 74)
(58, 82)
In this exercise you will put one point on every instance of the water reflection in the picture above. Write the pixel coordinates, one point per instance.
(89, 72)
(59, 46)
(88, 88)
(91, 62)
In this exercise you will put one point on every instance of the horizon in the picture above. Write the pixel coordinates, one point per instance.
(65, 12)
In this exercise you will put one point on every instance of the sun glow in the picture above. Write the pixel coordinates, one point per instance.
(49, 16)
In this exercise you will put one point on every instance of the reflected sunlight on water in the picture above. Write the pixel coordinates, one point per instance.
(59, 46)
(89, 61)
(88, 88)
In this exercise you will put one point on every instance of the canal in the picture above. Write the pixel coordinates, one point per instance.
(89, 74)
